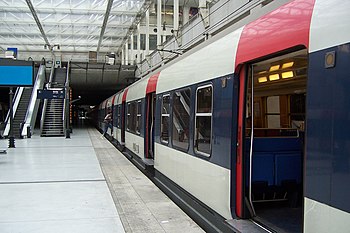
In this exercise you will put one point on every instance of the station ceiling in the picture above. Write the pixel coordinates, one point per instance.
(73, 25)
(76, 27)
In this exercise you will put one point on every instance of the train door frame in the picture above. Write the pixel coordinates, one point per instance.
(240, 191)
(244, 203)
(149, 126)
(122, 123)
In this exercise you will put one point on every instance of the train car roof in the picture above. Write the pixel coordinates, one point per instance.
(328, 24)
(207, 63)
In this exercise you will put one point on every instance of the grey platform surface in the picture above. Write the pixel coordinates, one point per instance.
(53, 184)
(82, 184)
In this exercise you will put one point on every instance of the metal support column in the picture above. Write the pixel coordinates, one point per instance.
(127, 52)
(132, 58)
(11, 137)
(185, 15)
(147, 33)
(176, 15)
(159, 22)
(139, 60)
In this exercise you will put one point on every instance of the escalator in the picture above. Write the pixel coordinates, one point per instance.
(20, 108)
(20, 114)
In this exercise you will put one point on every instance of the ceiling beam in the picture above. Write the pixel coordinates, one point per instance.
(78, 11)
(30, 5)
(104, 24)
(122, 25)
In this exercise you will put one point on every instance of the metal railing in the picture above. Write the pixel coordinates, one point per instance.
(66, 105)
(43, 114)
(33, 107)
(16, 99)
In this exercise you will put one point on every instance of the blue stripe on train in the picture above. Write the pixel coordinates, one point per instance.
(328, 129)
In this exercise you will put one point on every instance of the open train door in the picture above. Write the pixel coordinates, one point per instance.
(150, 120)
(150, 116)
(270, 154)
(244, 206)
(123, 117)
(123, 124)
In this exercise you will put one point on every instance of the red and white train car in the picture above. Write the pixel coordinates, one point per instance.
(250, 132)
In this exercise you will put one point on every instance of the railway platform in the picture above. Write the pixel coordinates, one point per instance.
(81, 184)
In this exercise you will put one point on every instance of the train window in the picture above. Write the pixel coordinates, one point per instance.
(128, 117)
(131, 117)
(118, 116)
(273, 114)
(277, 102)
(181, 118)
(164, 136)
(138, 117)
(203, 120)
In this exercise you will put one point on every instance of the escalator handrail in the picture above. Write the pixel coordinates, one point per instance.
(32, 108)
(16, 99)
(43, 114)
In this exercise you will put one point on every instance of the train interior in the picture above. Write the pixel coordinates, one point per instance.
(274, 146)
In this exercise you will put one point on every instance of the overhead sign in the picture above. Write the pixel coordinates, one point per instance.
(51, 94)
(15, 73)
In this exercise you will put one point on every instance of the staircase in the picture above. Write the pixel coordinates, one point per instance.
(53, 122)
(20, 114)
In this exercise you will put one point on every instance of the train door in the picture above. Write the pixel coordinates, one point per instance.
(123, 123)
(150, 117)
(272, 139)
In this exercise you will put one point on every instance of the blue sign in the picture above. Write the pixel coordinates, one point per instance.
(14, 51)
(14, 73)
(51, 94)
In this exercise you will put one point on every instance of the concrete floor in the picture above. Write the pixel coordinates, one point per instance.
(53, 184)
(142, 206)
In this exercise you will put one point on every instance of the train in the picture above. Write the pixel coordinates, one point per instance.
(249, 132)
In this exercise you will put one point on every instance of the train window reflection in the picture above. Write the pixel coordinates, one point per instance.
(138, 117)
(131, 117)
(164, 135)
(118, 116)
(181, 118)
(203, 120)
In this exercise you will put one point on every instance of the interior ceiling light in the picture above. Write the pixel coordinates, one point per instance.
(287, 65)
(274, 68)
(274, 77)
(288, 74)
(262, 79)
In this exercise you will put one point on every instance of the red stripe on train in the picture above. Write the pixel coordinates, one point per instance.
(272, 32)
(152, 83)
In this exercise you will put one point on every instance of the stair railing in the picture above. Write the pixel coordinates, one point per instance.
(66, 104)
(43, 114)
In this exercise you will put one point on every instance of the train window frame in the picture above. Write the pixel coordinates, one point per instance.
(118, 116)
(128, 117)
(131, 117)
(177, 145)
(203, 114)
(166, 142)
(138, 117)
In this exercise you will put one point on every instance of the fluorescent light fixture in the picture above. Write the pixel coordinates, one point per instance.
(288, 74)
(262, 79)
(274, 77)
(288, 65)
(274, 68)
